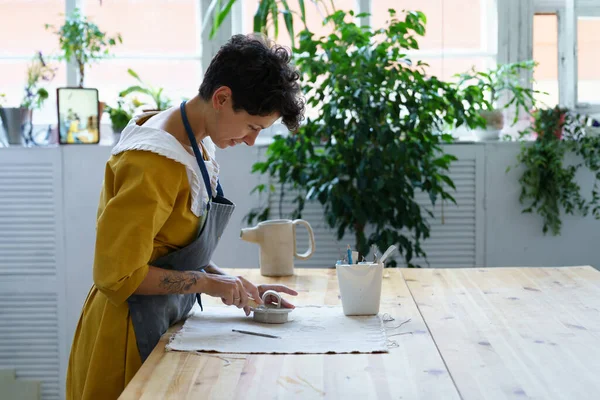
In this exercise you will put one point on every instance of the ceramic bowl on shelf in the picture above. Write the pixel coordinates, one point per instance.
(487, 135)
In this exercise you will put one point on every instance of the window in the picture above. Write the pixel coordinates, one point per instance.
(314, 21)
(460, 34)
(557, 31)
(25, 20)
(314, 18)
(445, 21)
(588, 72)
(545, 53)
(161, 42)
(450, 45)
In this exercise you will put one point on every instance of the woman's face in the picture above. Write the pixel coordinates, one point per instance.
(230, 127)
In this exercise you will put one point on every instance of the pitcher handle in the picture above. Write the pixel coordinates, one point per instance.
(311, 240)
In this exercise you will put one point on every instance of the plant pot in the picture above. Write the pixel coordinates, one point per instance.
(558, 132)
(17, 124)
(117, 129)
(487, 135)
(494, 119)
(117, 133)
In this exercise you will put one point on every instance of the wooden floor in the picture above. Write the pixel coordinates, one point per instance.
(501, 333)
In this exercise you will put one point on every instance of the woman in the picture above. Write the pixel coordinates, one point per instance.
(162, 211)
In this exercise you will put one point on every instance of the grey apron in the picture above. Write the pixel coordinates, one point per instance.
(153, 315)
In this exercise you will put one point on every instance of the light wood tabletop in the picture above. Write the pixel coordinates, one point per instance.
(496, 333)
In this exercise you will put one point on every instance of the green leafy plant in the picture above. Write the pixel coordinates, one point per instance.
(161, 102)
(504, 80)
(82, 41)
(121, 114)
(376, 141)
(268, 12)
(548, 185)
(38, 71)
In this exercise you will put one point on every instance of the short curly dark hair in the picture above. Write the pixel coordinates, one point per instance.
(261, 77)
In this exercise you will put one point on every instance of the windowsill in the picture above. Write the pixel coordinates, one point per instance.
(108, 139)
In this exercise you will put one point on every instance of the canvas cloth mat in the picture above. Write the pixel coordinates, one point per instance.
(309, 330)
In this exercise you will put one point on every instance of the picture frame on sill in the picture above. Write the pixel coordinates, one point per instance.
(78, 115)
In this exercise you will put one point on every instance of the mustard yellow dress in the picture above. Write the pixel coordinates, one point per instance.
(144, 213)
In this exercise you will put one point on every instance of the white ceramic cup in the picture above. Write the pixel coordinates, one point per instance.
(360, 288)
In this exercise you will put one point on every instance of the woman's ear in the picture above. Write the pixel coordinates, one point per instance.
(220, 97)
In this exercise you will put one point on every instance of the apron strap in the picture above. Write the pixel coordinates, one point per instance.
(199, 158)
(219, 189)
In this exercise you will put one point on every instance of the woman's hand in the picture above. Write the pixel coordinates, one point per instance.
(233, 290)
(272, 299)
(236, 290)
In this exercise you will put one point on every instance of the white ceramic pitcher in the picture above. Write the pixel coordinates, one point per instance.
(277, 241)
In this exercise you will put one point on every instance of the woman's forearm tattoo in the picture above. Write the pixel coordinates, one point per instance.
(178, 282)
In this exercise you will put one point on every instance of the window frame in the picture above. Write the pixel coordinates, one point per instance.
(489, 34)
(71, 67)
(567, 13)
(488, 49)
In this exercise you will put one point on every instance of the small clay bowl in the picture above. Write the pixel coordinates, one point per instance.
(271, 313)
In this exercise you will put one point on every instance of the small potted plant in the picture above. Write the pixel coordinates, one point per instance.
(160, 101)
(549, 120)
(17, 121)
(82, 41)
(504, 80)
(121, 114)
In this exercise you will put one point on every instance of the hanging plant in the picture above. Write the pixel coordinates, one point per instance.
(548, 184)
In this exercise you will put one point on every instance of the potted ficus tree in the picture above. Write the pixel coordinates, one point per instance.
(17, 121)
(375, 141)
(503, 84)
(83, 42)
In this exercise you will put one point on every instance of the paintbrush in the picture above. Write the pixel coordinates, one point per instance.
(256, 334)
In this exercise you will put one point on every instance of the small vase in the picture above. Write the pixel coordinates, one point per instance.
(494, 119)
(17, 124)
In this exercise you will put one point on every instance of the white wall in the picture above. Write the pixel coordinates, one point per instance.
(516, 239)
(235, 166)
(83, 172)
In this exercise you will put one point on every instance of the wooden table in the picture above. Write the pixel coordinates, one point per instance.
(499, 333)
